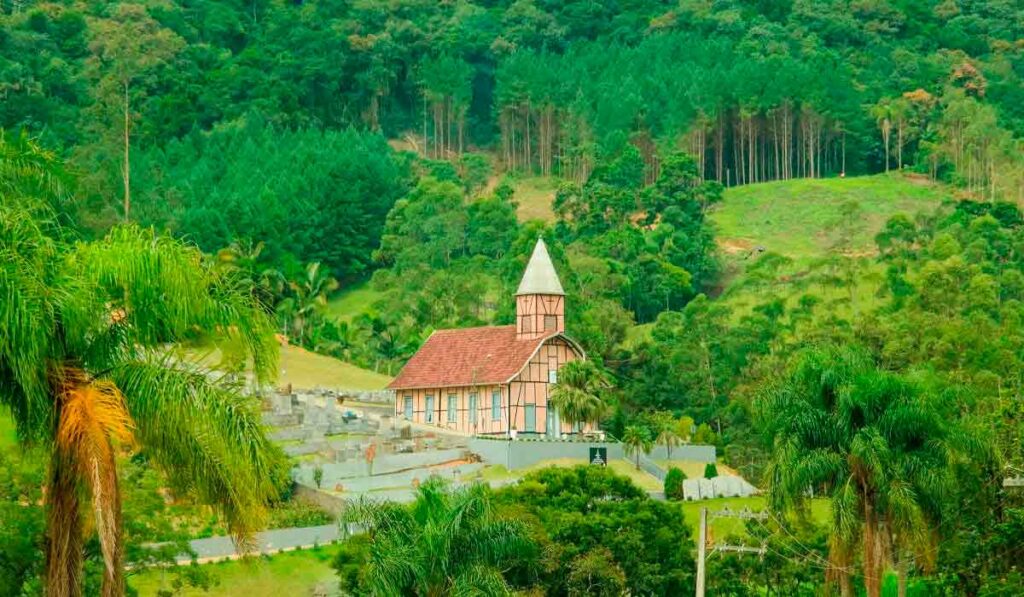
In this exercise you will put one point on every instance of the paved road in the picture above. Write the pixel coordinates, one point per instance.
(268, 542)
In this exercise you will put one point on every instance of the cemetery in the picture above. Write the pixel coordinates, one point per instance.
(350, 445)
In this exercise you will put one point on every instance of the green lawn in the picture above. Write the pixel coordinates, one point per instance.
(8, 437)
(292, 573)
(642, 479)
(723, 527)
(306, 370)
(352, 302)
(798, 219)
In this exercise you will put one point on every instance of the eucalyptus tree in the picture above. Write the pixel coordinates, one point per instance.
(870, 440)
(85, 373)
(577, 395)
(447, 542)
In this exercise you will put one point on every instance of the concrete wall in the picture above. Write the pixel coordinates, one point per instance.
(690, 452)
(382, 465)
(523, 453)
(333, 504)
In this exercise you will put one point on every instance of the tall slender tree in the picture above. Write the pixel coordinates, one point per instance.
(127, 45)
(869, 439)
(85, 373)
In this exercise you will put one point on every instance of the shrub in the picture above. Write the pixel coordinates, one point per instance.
(710, 470)
(674, 483)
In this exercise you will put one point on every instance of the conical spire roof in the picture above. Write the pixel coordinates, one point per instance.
(540, 276)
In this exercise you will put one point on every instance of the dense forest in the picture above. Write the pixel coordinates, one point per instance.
(310, 147)
(755, 90)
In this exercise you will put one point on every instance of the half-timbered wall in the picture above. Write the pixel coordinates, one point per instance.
(539, 315)
(533, 384)
(529, 388)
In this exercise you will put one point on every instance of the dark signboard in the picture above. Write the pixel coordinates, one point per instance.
(599, 456)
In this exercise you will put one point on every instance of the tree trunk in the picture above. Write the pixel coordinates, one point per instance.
(126, 168)
(872, 564)
(901, 576)
(886, 133)
(64, 532)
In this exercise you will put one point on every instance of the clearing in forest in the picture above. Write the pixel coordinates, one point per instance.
(798, 218)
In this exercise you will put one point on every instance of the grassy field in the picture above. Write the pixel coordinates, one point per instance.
(304, 369)
(794, 217)
(352, 302)
(292, 573)
(535, 196)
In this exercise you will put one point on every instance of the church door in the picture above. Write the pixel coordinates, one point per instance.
(530, 410)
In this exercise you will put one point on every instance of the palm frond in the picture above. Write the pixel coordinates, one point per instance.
(477, 581)
(207, 436)
(159, 290)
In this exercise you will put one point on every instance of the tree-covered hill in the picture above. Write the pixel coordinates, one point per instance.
(756, 90)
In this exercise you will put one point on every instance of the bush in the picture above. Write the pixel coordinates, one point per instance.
(710, 470)
(674, 483)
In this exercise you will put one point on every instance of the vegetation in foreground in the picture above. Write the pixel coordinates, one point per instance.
(85, 377)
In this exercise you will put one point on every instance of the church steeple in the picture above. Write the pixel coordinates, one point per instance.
(540, 300)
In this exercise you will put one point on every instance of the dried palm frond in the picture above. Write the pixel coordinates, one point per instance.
(92, 418)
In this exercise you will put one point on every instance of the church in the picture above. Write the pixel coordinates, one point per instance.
(494, 380)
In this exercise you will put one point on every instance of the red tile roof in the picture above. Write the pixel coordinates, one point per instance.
(467, 357)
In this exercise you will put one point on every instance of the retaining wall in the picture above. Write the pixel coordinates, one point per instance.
(689, 452)
(382, 465)
(526, 452)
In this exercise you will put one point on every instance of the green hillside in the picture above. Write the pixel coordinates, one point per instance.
(800, 224)
(794, 217)
(304, 369)
(352, 302)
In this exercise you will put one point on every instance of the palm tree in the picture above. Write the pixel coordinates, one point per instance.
(636, 439)
(29, 170)
(883, 114)
(447, 542)
(668, 432)
(869, 439)
(85, 373)
(309, 298)
(577, 395)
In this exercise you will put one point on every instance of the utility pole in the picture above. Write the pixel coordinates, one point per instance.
(744, 514)
(702, 551)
